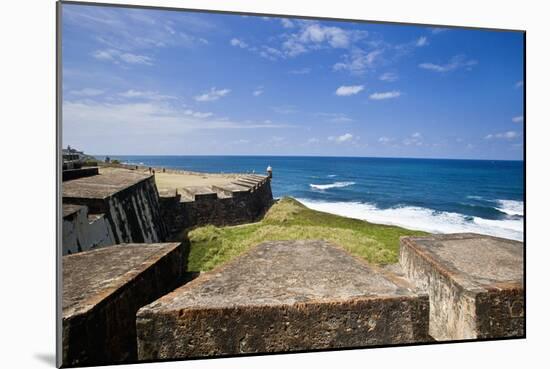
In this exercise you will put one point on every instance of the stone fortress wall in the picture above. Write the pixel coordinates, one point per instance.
(133, 298)
(110, 208)
(244, 200)
(124, 206)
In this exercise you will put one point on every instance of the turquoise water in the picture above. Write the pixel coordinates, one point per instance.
(434, 195)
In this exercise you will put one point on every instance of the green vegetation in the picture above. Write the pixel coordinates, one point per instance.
(290, 220)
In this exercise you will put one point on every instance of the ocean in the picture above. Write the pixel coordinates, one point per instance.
(434, 195)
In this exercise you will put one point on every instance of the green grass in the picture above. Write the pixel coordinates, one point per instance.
(290, 220)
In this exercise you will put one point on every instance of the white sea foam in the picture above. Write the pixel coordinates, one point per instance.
(511, 207)
(422, 219)
(474, 197)
(331, 175)
(323, 187)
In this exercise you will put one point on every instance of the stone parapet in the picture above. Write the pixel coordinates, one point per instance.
(279, 297)
(237, 202)
(102, 291)
(475, 284)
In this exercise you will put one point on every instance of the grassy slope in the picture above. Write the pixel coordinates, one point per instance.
(290, 220)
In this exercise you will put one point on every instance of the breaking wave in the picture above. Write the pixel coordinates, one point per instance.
(422, 219)
(323, 187)
(510, 207)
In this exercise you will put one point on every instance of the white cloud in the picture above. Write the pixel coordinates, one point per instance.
(86, 119)
(313, 140)
(422, 41)
(346, 137)
(358, 61)
(287, 23)
(270, 53)
(385, 140)
(315, 36)
(388, 77)
(136, 29)
(87, 92)
(258, 91)
(197, 114)
(437, 30)
(239, 43)
(457, 62)
(147, 95)
(384, 95)
(212, 95)
(415, 139)
(349, 90)
(509, 135)
(518, 119)
(117, 56)
(336, 117)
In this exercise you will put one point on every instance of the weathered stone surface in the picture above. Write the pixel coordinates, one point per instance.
(283, 296)
(102, 291)
(475, 284)
(129, 201)
(219, 205)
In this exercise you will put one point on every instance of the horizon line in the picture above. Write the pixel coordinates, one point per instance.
(308, 156)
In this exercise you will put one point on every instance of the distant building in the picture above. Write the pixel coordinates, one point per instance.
(70, 154)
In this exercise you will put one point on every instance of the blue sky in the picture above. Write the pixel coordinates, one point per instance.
(155, 82)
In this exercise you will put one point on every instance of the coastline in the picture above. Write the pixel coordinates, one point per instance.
(324, 192)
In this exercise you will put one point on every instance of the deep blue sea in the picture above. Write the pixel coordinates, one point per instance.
(435, 195)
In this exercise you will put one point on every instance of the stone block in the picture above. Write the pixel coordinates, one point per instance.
(283, 296)
(475, 284)
(102, 291)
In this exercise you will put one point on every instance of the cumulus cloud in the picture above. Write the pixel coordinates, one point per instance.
(457, 62)
(349, 90)
(238, 43)
(212, 95)
(118, 57)
(314, 36)
(346, 137)
(518, 119)
(388, 77)
(509, 135)
(384, 95)
(358, 61)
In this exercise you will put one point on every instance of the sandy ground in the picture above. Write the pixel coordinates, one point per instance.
(172, 179)
(168, 181)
